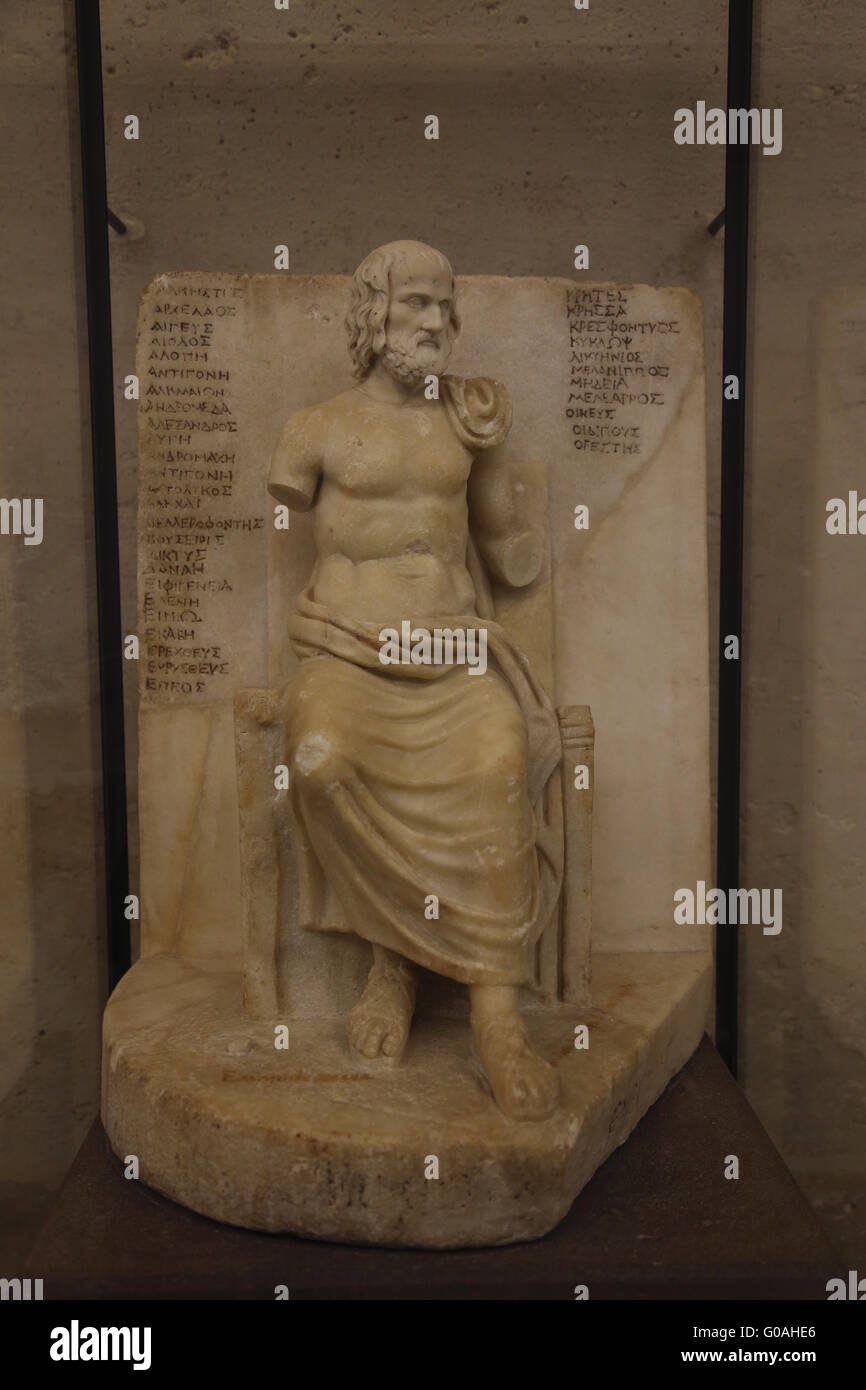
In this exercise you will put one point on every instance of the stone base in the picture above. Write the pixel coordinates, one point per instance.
(312, 1142)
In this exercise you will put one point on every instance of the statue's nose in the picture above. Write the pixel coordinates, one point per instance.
(432, 318)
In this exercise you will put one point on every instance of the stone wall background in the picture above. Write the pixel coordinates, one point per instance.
(305, 127)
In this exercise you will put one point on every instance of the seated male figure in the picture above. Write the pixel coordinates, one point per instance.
(419, 789)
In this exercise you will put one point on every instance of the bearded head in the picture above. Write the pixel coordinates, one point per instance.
(402, 312)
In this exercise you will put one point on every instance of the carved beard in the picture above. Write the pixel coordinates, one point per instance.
(402, 362)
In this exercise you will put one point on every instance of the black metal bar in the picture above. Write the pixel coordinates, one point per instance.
(115, 222)
(740, 28)
(89, 62)
(717, 223)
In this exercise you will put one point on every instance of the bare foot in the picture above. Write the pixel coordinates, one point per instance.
(524, 1086)
(378, 1025)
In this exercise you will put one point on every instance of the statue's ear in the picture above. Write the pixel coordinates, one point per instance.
(380, 319)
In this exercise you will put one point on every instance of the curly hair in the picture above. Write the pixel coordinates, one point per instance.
(371, 295)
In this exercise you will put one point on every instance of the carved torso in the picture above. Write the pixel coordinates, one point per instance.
(389, 486)
(391, 514)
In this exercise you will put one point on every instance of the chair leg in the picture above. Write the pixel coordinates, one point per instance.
(257, 744)
(578, 780)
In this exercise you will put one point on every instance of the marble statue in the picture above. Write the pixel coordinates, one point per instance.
(419, 781)
(409, 967)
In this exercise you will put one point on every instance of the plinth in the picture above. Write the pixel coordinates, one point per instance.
(307, 1140)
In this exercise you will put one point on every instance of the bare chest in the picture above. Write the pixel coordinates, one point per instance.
(391, 451)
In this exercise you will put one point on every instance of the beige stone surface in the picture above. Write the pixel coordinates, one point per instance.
(631, 647)
(52, 940)
(314, 1141)
(594, 372)
(803, 993)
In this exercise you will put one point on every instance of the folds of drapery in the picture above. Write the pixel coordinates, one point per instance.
(421, 799)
